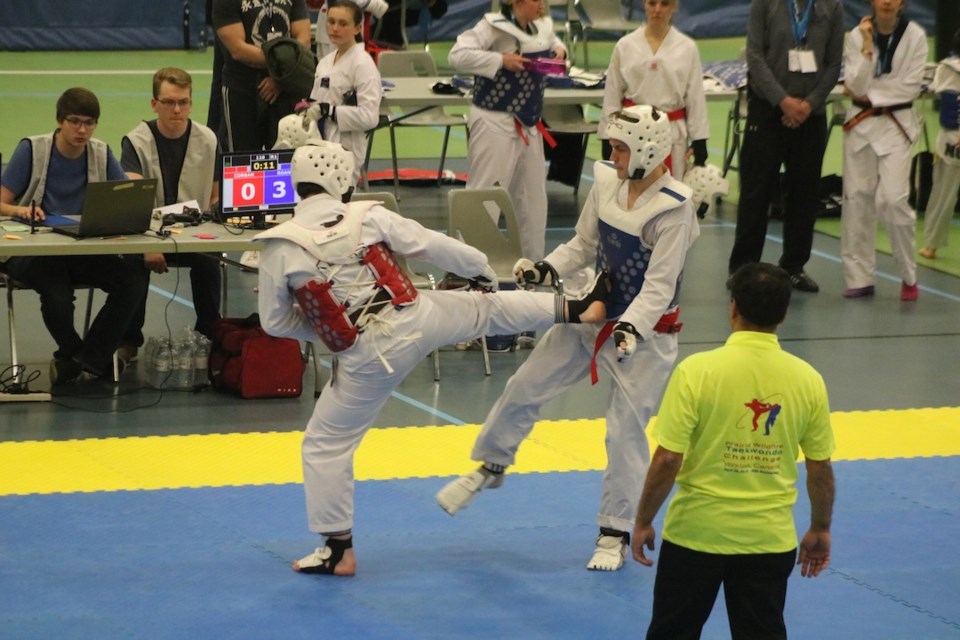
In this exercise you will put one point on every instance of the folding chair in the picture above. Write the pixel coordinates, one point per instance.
(12, 285)
(470, 219)
(603, 15)
(569, 119)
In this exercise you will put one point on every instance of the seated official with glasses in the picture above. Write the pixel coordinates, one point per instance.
(182, 155)
(48, 174)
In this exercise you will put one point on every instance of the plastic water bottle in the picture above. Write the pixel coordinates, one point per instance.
(201, 356)
(162, 366)
(183, 365)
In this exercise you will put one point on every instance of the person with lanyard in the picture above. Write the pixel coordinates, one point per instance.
(946, 166)
(330, 273)
(346, 88)
(659, 65)
(883, 60)
(506, 134)
(794, 50)
(637, 224)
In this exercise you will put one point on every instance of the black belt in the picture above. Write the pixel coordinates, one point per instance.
(869, 111)
(375, 305)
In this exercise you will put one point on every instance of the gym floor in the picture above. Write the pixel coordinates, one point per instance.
(130, 512)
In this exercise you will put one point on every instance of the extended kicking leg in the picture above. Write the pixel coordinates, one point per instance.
(335, 558)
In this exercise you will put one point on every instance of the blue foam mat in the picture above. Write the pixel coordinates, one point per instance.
(213, 563)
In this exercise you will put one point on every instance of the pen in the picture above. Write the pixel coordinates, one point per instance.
(33, 217)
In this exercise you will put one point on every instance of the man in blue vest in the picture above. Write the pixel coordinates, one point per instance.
(48, 174)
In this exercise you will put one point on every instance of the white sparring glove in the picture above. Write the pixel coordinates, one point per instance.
(375, 7)
(529, 272)
(487, 280)
(625, 337)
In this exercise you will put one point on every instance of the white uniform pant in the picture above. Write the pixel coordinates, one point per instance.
(347, 407)
(561, 359)
(876, 188)
(943, 199)
(497, 154)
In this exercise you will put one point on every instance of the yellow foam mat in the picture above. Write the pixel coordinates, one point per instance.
(171, 462)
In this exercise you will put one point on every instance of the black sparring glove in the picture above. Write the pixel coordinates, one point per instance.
(625, 337)
(699, 152)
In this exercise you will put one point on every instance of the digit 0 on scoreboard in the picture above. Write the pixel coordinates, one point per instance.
(246, 188)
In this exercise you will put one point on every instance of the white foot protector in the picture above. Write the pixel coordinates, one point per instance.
(457, 494)
(609, 554)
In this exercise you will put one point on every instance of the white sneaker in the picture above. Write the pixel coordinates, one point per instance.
(457, 494)
(609, 554)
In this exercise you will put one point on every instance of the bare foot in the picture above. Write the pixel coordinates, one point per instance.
(347, 565)
(928, 252)
(596, 312)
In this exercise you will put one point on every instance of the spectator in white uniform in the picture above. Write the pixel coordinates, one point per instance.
(347, 87)
(658, 65)
(883, 62)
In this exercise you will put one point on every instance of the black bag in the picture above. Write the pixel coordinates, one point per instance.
(831, 196)
(921, 180)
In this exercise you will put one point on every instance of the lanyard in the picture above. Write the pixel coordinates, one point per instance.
(798, 22)
(885, 49)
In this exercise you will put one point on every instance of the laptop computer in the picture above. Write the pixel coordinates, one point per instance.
(111, 208)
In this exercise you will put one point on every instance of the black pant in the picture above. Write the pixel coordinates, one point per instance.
(249, 123)
(754, 586)
(205, 283)
(767, 144)
(55, 277)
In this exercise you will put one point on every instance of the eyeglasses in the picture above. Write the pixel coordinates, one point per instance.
(74, 121)
(170, 102)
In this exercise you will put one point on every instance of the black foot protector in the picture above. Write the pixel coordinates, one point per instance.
(324, 560)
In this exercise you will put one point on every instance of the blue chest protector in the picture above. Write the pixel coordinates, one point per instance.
(519, 93)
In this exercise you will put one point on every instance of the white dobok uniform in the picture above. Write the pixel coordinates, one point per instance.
(946, 167)
(643, 248)
(505, 145)
(876, 157)
(354, 72)
(390, 345)
(670, 79)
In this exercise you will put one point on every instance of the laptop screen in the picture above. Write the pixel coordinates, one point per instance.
(256, 183)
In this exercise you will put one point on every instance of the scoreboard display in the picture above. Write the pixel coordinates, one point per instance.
(257, 182)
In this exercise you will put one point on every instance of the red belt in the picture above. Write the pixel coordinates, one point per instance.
(666, 324)
(679, 114)
(542, 128)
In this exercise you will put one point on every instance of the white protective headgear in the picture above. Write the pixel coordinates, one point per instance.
(323, 163)
(295, 130)
(646, 131)
(707, 183)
